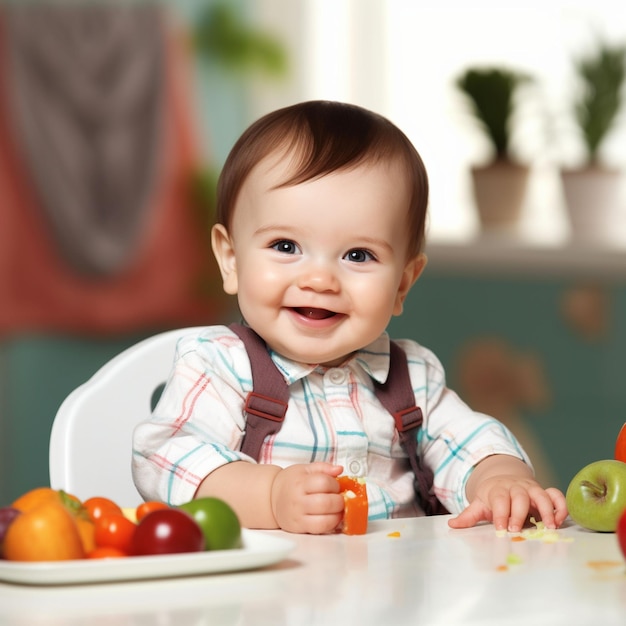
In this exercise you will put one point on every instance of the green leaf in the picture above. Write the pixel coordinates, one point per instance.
(491, 93)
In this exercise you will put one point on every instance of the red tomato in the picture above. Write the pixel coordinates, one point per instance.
(97, 507)
(620, 445)
(147, 507)
(621, 533)
(167, 531)
(113, 530)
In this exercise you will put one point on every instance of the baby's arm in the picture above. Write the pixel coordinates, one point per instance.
(502, 490)
(300, 498)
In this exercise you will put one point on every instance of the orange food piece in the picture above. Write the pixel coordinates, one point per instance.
(147, 507)
(45, 532)
(355, 505)
(604, 565)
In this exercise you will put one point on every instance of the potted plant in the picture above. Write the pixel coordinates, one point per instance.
(592, 190)
(500, 185)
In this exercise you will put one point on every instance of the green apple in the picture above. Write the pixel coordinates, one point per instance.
(596, 496)
(219, 523)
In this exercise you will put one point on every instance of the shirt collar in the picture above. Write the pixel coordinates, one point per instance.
(373, 359)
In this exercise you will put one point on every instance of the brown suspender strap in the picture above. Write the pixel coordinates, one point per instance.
(396, 395)
(266, 404)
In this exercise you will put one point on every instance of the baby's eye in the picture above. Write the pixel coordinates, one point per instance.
(359, 256)
(286, 247)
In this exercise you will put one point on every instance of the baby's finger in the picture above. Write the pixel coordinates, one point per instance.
(520, 505)
(320, 483)
(470, 516)
(323, 504)
(500, 503)
(551, 508)
(320, 524)
(559, 504)
(325, 468)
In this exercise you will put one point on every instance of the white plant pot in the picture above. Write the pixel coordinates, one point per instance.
(499, 193)
(596, 205)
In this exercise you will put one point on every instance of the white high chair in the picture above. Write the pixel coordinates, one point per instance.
(91, 437)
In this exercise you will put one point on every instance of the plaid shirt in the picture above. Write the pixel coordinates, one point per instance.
(333, 416)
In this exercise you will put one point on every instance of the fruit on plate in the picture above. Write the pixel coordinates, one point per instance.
(40, 516)
(46, 532)
(620, 445)
(147, 507)
(596, 495)
(219, 523)
(356, 507)
(114, 530)
(167, 531)
(45, 524)
(621, 533)
(7, 515)
(97, 507)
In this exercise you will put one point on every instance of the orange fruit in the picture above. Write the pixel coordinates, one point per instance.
(46, 532)
(34, 497)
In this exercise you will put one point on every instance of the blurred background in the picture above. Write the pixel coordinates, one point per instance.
(115, 119)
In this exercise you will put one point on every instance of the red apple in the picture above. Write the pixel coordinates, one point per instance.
(621, 533)
(620, 445)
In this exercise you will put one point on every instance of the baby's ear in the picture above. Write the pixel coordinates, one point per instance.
(224, 252)
(411, 273)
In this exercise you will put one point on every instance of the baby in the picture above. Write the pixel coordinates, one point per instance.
(321, 213)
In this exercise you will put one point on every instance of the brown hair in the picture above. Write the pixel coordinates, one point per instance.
(324, 137)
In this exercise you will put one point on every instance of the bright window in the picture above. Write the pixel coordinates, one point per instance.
(400, 57)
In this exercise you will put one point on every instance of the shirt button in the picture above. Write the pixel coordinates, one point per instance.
(337, 376)
(355, 467)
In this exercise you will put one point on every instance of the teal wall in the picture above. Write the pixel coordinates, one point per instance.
(38, 372)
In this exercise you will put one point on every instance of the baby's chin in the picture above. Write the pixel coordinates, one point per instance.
(322, 358)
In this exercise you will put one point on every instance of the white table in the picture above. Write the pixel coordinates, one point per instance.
(428, 575)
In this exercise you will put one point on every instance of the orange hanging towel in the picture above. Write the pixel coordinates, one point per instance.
(168, 280)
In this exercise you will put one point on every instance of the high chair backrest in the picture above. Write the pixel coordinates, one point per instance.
(91, 437)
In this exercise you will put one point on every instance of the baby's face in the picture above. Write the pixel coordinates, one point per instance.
(320, 267)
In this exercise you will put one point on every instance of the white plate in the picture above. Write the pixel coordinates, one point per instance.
(259, 549)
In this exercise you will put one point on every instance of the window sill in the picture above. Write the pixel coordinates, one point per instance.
(513, 256)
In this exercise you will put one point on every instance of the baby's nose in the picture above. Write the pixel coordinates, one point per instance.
(319, 277)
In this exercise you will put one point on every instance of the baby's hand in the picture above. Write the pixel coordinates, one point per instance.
(508, 500)
(306, 498)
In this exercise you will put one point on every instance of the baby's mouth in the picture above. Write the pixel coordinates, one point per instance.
(314, 314)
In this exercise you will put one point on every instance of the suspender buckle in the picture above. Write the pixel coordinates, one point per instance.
(266, 407)
(408, 419)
